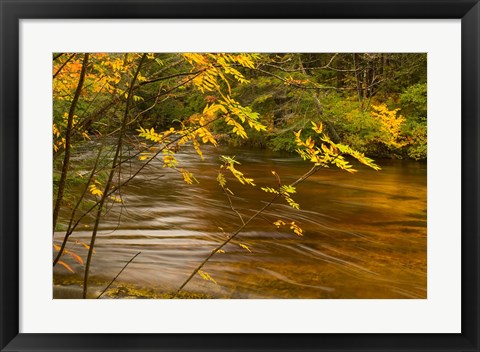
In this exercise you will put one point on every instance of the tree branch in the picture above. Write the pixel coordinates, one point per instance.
(309, 173)
(121, 271)
(68, 134)
(63, 65)
(110, 178)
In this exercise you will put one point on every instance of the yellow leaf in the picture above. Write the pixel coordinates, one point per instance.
(94, 190)
(86, 136)
(221, 179)
(269, 190)
(206, 276)
(309, 143)
(245, 247)
(116, 199)
(169, 161)
(66, 266)
(296, 228)
(84, 244)
(75, 256)
(317, 128)
(188, 177)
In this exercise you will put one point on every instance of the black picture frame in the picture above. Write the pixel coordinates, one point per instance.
(12, 11)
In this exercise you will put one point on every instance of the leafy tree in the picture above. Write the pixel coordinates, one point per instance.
(137, 108)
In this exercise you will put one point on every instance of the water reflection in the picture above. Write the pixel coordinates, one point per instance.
(365, 234)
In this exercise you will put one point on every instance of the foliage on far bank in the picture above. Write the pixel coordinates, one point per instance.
(375, 103)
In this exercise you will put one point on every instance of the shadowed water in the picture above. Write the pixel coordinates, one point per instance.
(365, 235)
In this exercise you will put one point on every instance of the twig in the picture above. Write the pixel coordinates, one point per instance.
(57, 56)
(231, 205)
(224, 244)
(110, 178)
(72, 217)
(169, 77)
(303, 69)
(111, 282)
(299, 86)
(309, 173)
(63, 65)
(127, 181)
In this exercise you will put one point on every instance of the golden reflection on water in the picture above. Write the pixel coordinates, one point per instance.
(365, 235)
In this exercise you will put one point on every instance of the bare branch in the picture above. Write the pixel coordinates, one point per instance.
(110, 178)
(63, 65)
(309, 173)
(121, 271)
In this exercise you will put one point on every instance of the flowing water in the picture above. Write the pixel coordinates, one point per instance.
(364, 235)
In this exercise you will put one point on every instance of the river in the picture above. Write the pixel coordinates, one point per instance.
(364, 235)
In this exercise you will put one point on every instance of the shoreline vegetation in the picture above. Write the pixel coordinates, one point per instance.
(72, 289)
(119, 116)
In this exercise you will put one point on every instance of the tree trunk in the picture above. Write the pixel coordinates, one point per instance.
(68, 136)
(110, 178)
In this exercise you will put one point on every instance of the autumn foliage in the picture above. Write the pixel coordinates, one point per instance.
(158, 104)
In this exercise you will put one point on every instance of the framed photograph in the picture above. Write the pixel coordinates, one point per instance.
(269, 175)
